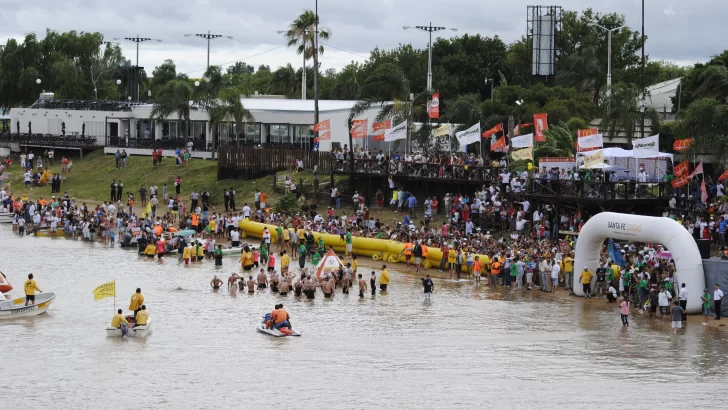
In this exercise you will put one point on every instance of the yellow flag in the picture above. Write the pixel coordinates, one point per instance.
(521, 154)
(107, 290)
(596, 158)
(442, 130)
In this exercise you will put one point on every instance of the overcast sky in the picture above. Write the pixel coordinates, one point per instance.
(680, 31)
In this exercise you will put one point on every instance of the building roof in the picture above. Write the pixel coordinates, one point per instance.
(290, 105)
(659, 95)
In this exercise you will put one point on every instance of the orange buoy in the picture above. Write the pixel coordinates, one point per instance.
(5, 286)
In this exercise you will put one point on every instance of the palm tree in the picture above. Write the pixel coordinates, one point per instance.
(177, 96)
(560, 142)
(620, 112)
(389, 90)
(228, 106)
(465, 110)
(302, 34)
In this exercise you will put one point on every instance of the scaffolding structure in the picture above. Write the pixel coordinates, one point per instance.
(543, 25)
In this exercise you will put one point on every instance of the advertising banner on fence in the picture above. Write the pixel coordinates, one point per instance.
(562, 163)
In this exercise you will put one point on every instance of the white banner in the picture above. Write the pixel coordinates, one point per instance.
(591, 141)
(469, 136)
(646, 147)
(398, 132)
(524, 141)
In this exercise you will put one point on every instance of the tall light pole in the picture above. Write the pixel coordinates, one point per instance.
(209, 37)
(429, 29)
(138, 40)
(303, 75)
(491, 81)
(609, 53)
(316, 73)
(644, 107)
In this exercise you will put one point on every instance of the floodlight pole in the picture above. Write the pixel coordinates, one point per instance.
(208, 37)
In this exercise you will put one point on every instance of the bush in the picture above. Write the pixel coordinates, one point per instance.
(286, 204)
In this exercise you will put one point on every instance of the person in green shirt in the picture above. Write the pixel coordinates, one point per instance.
(642, 289)
(315, 258)
(217, 254)
(302, 256)
(279, 240)
(264, 253)
(321, 247)
(347, 252)
(610, 277)
(706, 306)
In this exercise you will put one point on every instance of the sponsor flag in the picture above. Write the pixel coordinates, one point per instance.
(322, 126)
(697, 170)
(586, 132)
(594, 159)
(648, 147)
(521, 154)
(359, 128)
(524, 141)
(589, 142)
(681, 169)
(723, 176)
(703, 192)
(107, 290)
(541, 123)
(615, 254)
(469, 136)
(398, 132)
(681, 181)
(525, 125)
(434, 110)
(682, 145)
(323, 136)
(384, 125)
(498, 128)
(379, 137)
(500, 143)
(443, 130)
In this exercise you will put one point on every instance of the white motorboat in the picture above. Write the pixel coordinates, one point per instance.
(136, 331)
(15, 308)
(274, 332)
(234, 251)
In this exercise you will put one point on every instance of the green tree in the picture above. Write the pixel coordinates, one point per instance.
(302, 34)
(177, 96)
(240, 68)
(706, 121)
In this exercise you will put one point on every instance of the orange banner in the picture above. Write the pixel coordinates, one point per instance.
(586, 132)
(541, 123)
(384, 125)
(324, 136)
(682, 145)
(498, 144)
(678, 182)
(379, 137)
(434, 111)
(723, 176)
(498, 128)
(681, 169)
(322, 126)
(359, 128)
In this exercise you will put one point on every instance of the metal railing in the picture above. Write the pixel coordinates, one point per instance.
(49, 140)
(164, 143)
(598, 190)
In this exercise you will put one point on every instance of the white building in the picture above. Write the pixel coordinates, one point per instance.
(277, 121)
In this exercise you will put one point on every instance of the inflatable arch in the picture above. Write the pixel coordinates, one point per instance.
(665, 231)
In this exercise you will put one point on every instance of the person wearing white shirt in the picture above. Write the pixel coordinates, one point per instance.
(672, 202)
(663, 300)
(717, 299)
(555, 269)
(683, 298)
(246, 211)
(719, 189)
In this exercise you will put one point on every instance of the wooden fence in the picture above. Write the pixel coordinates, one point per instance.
(252, 163)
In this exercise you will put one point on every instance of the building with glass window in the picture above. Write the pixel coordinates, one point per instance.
(277, 121)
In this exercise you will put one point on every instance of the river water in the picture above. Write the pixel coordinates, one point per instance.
(466, 347)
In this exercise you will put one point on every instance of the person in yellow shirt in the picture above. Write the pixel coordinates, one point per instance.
(568, 269)
(285, 261)
(118, 319)
(186, 254)
(585, 280)
(30, 287)
(384, 279)
(150, 250)
(143, 316)
(137, 300)
(451, 259)
(213, 225)
(200, 252)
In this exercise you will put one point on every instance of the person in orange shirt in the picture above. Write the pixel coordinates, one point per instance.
(408, 249)
(477, 269)
(263, 197)
(195, 222)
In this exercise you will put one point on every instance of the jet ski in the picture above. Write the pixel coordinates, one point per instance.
(283, 332)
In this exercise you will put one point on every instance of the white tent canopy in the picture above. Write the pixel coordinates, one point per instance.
(614, 152)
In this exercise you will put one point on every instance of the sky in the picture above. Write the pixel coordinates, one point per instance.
(680, 31)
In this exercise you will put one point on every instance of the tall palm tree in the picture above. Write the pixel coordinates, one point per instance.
(302, 34)
(560, 142)
(177, 96)
(388, 89)
(706, 121)
(228, 106)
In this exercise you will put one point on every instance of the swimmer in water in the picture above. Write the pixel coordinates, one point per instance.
(215, 283)
(251, 284)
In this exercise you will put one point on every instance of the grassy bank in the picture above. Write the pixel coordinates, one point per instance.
(92, 176)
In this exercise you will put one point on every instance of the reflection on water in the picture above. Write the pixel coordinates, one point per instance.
(466, 347)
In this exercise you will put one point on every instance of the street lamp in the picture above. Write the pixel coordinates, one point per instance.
(118, 89)
(490, 81)
(197, 83)
(609, 53)
(38, 81)
(303, 76)
(209, 37)
(429, 29)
